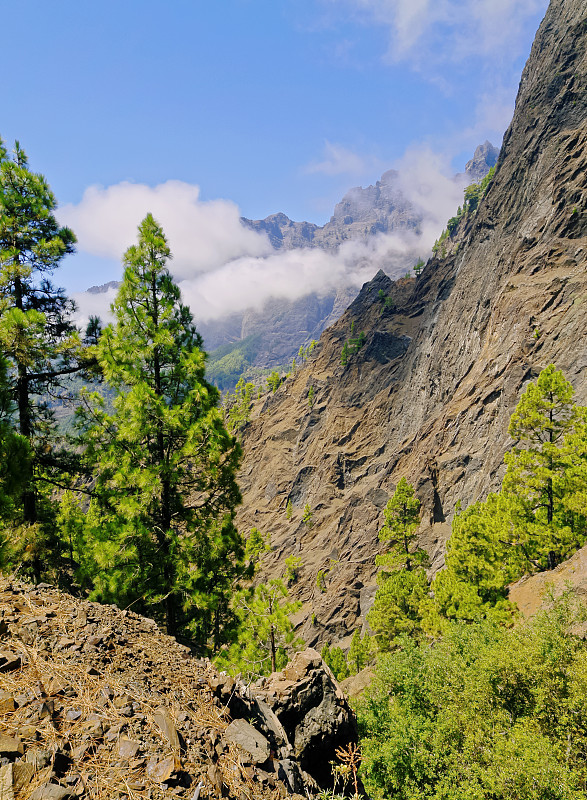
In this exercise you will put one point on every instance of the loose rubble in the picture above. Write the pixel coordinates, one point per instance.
(96, 702)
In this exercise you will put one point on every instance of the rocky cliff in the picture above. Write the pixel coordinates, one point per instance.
(430, 393)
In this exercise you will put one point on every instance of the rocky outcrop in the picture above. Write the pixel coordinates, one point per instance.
(462, 342)
(282, 232)
(534, 593)
(484, 158)
(97, 703)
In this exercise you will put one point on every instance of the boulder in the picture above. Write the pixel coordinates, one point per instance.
(253, 743)
(313, 712)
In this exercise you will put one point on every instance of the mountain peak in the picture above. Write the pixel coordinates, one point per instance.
(484, 158)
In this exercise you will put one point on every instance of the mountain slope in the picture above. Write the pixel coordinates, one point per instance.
(430, 393)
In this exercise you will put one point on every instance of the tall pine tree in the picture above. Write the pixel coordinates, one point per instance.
(36, 336)
(160, 525)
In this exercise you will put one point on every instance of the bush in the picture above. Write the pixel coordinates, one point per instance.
(485, 713)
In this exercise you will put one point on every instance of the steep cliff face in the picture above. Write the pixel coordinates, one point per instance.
(430, 393)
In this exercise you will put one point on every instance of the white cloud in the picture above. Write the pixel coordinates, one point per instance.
(202, 235)
(245, 272)
(339, 160)
(251, 282)
(426, 179)
(93, 305)
(428, 31)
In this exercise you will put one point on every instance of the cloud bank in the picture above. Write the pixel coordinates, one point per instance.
(203, 234)
(223, 267)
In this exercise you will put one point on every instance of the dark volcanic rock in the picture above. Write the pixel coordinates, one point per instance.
(313, 711)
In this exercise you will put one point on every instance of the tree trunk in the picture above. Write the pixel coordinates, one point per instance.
(273, 650)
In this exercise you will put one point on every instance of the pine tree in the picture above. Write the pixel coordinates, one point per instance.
(538, 518)
(403, 585)
(360, 652)
(402, 518)
(264, 633)
(537, 468)
(14, 453)
(36, 335)
(160, 525)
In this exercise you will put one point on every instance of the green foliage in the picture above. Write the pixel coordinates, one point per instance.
(264, 638)
(402, 518)
(159, 531)
(403, 585)
(39, 346)
(289, 511)
(321, 581)
(293, 565)
(228, 362)
(451, 225)
(361, 652)
(476, 191)
(311, 397)
(419, 266)
(538, 518)
(335, 659)
(487, 713)
(439, 248)
(14, 454)
(308, 516)
(357, 342)
(255, 545)
(274, 381)
(237, 406)
(344, 356)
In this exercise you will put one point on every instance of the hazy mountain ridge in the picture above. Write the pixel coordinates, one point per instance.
(383, 208)
(365, 211)
(430, 394)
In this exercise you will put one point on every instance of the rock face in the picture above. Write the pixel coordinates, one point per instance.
(533, 593)
(313, 711)
(430, 393)
(95, 702)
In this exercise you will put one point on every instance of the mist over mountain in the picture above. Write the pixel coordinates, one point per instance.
(268, 304)
(385, 218)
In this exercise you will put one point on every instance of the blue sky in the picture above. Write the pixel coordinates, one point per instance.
(272, 105)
